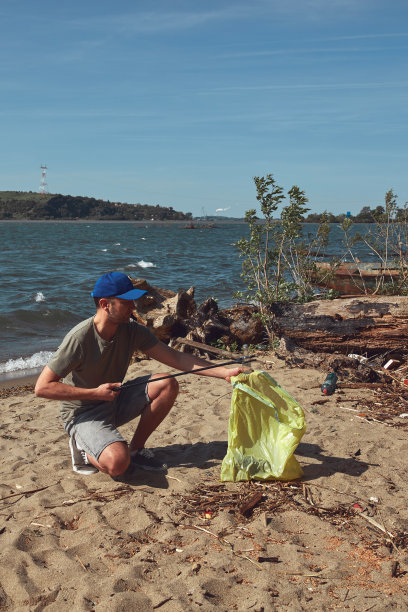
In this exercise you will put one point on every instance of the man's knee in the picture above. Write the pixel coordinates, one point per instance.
(173, 386)
(167, 387)
(114, 459)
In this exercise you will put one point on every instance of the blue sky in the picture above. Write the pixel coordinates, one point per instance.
(182, 103)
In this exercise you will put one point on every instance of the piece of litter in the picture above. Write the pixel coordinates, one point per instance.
(179, 550)
(404, 415)
(391, 363)
(19, 486)
(374, 499)
(359, 358)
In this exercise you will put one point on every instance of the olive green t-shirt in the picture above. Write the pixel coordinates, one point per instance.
(85, 360)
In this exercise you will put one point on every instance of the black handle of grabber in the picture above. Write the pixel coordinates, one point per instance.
(132, 383)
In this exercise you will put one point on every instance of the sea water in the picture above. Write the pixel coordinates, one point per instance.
(49, 268)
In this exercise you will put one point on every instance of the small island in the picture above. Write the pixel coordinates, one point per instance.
(30, 206)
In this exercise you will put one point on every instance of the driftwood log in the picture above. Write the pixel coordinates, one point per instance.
(164, 311)
(365, 325)
(172, 315)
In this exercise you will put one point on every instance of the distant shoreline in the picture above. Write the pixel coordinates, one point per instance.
(199, 224)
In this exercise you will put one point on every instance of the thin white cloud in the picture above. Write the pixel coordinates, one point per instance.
(306, 51)
(370, 36)
(305, 86)
(162, 21)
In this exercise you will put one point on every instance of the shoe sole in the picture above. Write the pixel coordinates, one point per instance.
(87, 470)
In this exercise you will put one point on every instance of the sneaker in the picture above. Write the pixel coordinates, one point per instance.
(80, 463)
(144, 459)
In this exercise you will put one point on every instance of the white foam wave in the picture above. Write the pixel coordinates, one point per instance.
(145, 264)
(117, 243)
(40, 297)
(104, 250)
(37, 360)
(143, 239)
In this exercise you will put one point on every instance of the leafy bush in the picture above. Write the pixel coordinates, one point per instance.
(278, 263)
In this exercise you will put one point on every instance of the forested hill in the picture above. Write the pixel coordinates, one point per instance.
(29, 205)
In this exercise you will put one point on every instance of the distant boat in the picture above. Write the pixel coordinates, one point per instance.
(199, 226)
(353, 278)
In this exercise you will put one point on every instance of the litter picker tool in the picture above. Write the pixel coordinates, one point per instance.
(132, 383)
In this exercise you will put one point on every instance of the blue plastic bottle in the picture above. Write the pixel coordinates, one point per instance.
(329, 385)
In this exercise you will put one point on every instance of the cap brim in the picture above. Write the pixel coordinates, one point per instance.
(133, 294)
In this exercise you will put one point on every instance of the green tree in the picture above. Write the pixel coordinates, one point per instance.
(365, 215)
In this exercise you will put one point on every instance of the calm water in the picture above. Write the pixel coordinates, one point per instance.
(49, 269)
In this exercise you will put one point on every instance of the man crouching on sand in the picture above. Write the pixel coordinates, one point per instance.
(87, 370)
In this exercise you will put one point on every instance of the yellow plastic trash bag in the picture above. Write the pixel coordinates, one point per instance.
(265, 426)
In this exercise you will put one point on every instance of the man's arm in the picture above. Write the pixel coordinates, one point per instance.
(186, 361)
(49, 385)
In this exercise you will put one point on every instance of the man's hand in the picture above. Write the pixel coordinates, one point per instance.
(236, 371)
(107, 392)
(48, 385)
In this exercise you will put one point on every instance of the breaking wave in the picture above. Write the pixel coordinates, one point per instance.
(34, 362)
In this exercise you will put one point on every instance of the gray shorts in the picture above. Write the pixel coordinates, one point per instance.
(96, 428)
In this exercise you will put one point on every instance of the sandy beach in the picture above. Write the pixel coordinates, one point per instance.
(335, 540)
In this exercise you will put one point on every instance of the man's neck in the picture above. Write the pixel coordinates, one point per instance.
(105, 328)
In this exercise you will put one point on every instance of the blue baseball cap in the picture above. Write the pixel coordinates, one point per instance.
(116, 284)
